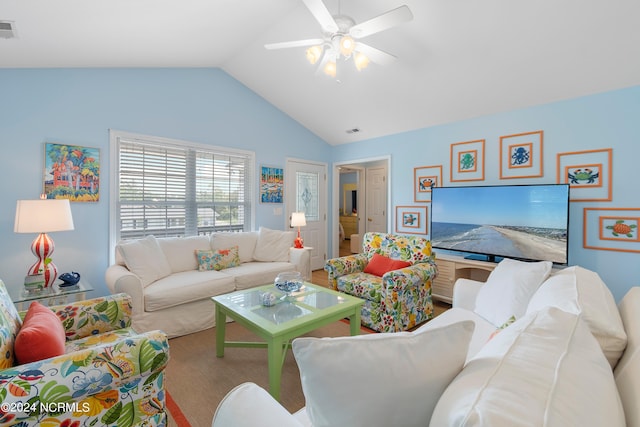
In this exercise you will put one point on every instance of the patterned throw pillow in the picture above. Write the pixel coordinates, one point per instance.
(218, 259)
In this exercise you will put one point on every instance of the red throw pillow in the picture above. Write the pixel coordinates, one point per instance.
(41, 335)
(380, 264)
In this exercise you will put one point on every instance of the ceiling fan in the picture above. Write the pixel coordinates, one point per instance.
(341, 35)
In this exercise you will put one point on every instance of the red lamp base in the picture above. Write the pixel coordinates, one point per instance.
(298, 242)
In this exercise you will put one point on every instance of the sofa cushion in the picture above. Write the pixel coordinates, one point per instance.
(218, 259)
(184, 287)
(388, 379)
(627, 370)
(273, 245)
(41, 335)
(378, 265)
(245, 240)
(145, 259)
(546, 369)
(179, 251)
(10, 323)
(578, 290)
(509, 288)
(251, 274)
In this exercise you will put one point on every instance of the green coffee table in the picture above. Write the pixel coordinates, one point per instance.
(302, 312)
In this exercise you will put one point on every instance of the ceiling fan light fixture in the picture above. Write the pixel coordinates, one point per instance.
(347, 44)
(314, 53)
(330, 68)
(361, 60)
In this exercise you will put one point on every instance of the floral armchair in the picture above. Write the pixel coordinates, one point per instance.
(109, 374)
(398, 300)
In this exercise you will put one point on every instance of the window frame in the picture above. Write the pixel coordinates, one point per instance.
(115, 137)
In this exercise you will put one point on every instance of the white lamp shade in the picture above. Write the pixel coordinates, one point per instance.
(298, 219)
(43, 216)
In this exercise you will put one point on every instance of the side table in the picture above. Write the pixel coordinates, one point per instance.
(52, 295)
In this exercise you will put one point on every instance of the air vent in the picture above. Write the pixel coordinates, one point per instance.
(7, 30)
(354, 130)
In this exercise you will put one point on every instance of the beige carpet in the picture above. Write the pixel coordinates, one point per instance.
(198, 380)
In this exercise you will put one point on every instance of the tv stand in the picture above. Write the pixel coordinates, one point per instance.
(452, 268)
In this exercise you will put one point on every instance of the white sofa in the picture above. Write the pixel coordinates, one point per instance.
(170, 292)
(569, 356)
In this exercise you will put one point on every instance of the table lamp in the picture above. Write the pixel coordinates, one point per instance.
(43, 216)
(298, 220)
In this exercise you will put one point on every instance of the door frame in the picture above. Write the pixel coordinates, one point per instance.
(334, 215)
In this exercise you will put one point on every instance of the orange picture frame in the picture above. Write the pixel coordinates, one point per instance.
(588, 173)
(521, 155)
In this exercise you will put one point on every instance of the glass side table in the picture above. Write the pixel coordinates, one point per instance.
(53, 295)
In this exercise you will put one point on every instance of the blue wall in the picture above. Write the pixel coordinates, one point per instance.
(79, 106)
(608, 120)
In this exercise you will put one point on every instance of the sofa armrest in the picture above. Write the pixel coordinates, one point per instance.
(465, 292)
(342, 266)
(97, 315)
(91, 376)
(301, 258)
(249, 405)
(120, 280)
(412, 276)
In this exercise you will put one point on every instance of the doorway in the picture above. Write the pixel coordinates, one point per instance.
(368, 178)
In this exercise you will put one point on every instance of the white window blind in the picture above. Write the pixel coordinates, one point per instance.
(173, 188)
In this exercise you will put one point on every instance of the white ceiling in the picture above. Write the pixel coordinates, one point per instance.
(457, 59)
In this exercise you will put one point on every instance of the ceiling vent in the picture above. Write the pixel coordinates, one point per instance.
(7, 30)
(354, 130)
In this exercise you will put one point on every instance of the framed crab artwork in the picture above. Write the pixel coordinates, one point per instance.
(467, 161)
(424, 179)
(612, 229)
(521, 155)
(588, 173)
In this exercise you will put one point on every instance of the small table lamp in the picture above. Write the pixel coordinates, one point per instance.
(43, 216)
(298, 220)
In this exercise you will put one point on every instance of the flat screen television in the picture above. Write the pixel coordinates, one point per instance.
(524, 222)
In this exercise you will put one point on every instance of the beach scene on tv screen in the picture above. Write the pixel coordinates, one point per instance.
(524, 222)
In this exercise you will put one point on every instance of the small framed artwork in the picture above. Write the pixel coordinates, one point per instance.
(271, 184)
(611, 229)
(588, 174)
(411, 219)
(425, 178)
(521, 155)
(467, 161)
(71, 172)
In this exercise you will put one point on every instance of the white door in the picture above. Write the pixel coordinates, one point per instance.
(306, 191)
(376, 203)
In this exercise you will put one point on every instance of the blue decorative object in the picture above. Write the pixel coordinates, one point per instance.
(288, 282)
(69, 279)
(268, 299)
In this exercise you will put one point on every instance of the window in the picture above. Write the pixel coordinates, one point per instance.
(174, 188)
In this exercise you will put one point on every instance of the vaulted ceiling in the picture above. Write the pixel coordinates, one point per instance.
(457, 59)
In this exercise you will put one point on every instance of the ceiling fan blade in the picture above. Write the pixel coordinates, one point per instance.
(322, 15)
(382, 22)
(297, 43)
(375, 55)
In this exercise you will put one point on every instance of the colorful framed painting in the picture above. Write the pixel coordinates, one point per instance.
(467, 161)
(588, 174)
(611, 229)
(271, 184)
(71, 172)
(521, 155)
(411, 219)
(425, 178)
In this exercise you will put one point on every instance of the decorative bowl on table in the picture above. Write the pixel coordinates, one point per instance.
(289, 282)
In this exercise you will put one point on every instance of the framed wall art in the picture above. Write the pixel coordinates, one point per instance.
(71, 172)
(424, 178)
(521, 155)
(611, 229)
(467, 161)
(588, 174)
(411, 219)
(271, 184)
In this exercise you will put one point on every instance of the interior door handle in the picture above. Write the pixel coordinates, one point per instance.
(369, 219)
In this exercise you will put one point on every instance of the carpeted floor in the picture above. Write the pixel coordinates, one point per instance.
(197, 380)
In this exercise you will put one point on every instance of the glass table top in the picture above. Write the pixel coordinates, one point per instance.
(308, 300)
(22, 295)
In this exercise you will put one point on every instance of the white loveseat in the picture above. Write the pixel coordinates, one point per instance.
(170, 291)
(568, 357)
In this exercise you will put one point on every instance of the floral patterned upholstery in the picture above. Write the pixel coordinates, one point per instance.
(399, 300)
(109, 375)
